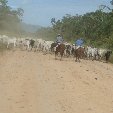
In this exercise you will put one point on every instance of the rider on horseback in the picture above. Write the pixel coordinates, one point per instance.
(59, 40)
(79, 43)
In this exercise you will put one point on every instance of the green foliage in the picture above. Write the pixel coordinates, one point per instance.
(95, 27)
(9, 18)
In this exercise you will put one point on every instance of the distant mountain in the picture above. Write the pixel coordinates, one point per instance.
(30, 28)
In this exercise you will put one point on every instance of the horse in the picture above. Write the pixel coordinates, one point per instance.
(60, 49)
(79, 53)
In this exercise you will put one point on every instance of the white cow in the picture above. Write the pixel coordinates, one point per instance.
(11, 41)
(40, 43)
(47, 46)
(5, 39)
(92, 53)
(103, 52)
(26, 43)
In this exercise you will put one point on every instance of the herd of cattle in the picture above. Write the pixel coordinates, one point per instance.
(68, 49)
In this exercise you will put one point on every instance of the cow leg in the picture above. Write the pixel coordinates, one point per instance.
(14, 44)
(26, 47)
(7, 46)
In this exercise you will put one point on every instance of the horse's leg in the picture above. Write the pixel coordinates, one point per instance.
(61, 58)
(76, 55)
(76, 59)
(61, 53)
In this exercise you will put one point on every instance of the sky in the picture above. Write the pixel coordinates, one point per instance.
(40, 12)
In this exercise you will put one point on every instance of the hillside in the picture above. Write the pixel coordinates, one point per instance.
(29, 27)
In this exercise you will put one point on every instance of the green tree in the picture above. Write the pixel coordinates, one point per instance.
(9, 18)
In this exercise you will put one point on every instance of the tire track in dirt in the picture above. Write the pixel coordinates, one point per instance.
(35, 83)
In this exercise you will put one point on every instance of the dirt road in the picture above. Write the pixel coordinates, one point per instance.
(36, 83)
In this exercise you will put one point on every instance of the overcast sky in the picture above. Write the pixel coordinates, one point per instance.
(40, 12)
